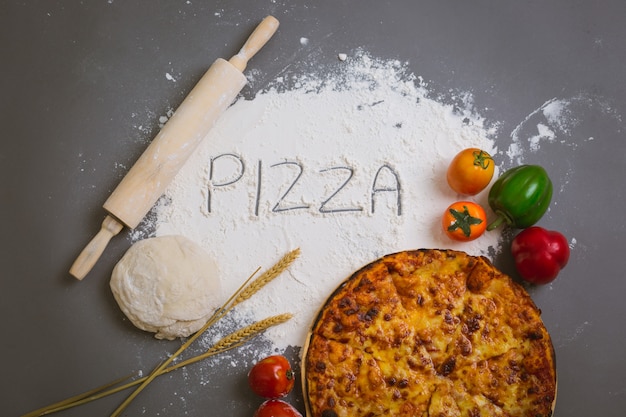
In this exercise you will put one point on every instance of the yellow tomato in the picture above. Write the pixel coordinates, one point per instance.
(470, 171)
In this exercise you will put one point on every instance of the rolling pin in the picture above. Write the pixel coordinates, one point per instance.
(147, 180)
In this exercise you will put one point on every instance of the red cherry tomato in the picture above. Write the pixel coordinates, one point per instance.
(276, 408)
(539, 254)
(271, 377)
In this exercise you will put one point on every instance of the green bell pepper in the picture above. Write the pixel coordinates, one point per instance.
(520, 196)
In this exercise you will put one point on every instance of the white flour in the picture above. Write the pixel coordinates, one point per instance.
(559, 121)
(347, 168)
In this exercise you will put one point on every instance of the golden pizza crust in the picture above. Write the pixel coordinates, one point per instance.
(429, 333)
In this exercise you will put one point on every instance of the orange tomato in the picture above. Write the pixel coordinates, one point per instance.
(470, 171)
(464, 221)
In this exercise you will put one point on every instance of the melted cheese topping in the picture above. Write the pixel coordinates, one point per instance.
(429, 333)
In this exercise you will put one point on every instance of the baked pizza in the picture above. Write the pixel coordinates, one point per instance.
(429, 333)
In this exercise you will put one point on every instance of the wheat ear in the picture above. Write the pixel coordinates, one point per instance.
(247, 292)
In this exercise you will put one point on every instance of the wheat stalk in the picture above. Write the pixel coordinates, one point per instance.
(241, 295)
(231, 341)
(244, 292)
(73, 401)
(267, 276)
(243, 335)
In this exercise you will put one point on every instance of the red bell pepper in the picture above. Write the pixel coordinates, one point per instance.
(540, 254)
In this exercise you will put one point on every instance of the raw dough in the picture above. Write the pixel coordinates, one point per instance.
(167, 285)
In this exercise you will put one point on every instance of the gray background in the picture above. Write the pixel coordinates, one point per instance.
(77, 78)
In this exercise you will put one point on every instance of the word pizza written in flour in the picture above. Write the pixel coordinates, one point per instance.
(330, 189)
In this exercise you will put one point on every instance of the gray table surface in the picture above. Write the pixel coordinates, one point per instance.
(77, 77)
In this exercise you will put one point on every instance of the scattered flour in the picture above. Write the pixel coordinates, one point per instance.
(558, 121)
(348, 167)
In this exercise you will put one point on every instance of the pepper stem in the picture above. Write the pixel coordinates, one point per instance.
(497, 222)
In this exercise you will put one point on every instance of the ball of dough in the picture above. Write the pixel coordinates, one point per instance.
(167, 285)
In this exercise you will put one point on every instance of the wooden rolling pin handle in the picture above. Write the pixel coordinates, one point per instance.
(90, 255)
(259, 37)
